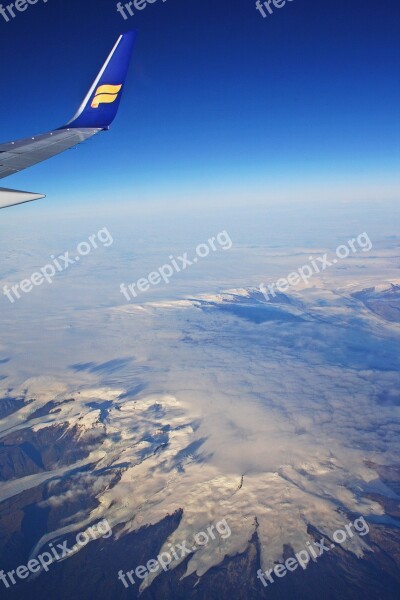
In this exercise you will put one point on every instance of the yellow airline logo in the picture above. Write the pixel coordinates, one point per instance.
(105, 94)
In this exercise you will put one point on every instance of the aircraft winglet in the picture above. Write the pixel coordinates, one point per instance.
(102, 101)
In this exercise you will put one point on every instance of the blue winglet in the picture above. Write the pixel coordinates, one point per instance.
(101, 104)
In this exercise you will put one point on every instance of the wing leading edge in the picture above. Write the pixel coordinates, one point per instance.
(95, 114)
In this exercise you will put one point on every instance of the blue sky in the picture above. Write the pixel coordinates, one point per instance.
(217, 96)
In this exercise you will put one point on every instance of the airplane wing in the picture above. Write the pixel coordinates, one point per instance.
(95, 114)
